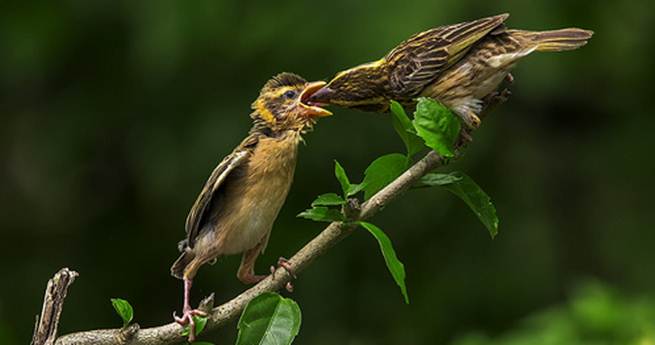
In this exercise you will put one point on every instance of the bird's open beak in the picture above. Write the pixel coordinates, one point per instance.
(323, 95)
(309, 107)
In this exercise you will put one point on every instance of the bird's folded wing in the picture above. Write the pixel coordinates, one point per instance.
(420, 59)
(216, 179)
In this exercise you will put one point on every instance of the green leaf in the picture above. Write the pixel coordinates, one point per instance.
(438, 179)
(382, 171)
(403, 126)
(356, 188)
(394, 265)
(437, 125)
(347, 188)
(328, 199)
(269, 319)
(202, 343)
(322, 214)
(341, 176)
(479, 202)
(123, 309)
(200, 322)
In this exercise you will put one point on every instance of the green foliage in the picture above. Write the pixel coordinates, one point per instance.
(438, 179)
(269, 319)
(328, 199)
(123, 309)
(405, 129)
(347, 188)
(437, 125)
(396, 268)
(320, 211)
(469, 191)
(595, 315)
(150, 52)
(200, 322)
(322, 214)
(439, 129)
(381, 172)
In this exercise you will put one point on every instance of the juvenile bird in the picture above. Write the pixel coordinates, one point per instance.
(461, 65)
(238, 204)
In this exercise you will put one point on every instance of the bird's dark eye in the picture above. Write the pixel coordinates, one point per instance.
(290, 94)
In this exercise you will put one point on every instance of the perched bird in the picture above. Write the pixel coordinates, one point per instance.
(461, 65)
(238, 204)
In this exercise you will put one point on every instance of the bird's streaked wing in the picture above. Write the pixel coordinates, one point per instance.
(420, 59)
(214, 182)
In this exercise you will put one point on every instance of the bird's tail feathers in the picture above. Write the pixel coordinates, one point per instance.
(177, 270)
(554, 40)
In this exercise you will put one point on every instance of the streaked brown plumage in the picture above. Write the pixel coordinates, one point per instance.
(461, 65)
(238, 204)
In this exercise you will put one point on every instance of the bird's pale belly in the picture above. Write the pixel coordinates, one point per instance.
(261, 195)
(465, 85)
(253, 223)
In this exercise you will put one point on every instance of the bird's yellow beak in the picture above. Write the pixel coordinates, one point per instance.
(309, 108)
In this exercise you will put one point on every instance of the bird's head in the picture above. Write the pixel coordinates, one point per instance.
(282, 104)
(360, 87)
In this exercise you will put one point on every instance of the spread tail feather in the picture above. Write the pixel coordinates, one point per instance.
(555, 40)
(177, 270)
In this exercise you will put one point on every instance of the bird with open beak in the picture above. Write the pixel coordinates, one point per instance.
(238, 204)
(462, 65)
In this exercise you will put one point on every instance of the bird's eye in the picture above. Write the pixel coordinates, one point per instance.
(290, 94)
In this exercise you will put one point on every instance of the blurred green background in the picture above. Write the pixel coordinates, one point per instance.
(114, 113)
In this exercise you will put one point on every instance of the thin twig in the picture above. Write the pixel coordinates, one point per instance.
(331, 235)
(45, 329)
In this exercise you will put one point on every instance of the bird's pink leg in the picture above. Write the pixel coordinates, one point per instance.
(246, 273)
(188, 313)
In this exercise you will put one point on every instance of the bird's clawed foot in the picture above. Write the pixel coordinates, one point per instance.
(509, 78)
(502, 96)
(284, 263)
(496, 98)
(187, 319)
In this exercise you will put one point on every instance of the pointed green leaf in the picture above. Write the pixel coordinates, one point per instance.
(328, 199)
(322, 214)
(437, 125)
(403, 126)
(469, 191)
(394, 265)
(123, 309)
(202, 343)
(200, 322)
(269, 319)
(341, 176)
(438, 179)
(347, 188)
(382, 171)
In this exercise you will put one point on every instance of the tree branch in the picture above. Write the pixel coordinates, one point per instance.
(45, 329)
(219, 316)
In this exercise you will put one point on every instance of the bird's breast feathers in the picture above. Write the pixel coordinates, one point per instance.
(261, 194)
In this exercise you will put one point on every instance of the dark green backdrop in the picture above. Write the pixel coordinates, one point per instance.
(114, 113)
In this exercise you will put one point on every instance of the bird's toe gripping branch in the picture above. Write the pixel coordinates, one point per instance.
(286, 265)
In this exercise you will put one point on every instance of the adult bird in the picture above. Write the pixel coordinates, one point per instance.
(238, 204)
(461, 65)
